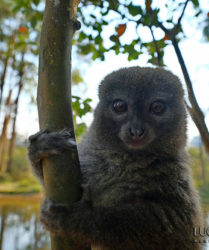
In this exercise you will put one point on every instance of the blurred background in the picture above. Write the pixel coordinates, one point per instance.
(114, 34)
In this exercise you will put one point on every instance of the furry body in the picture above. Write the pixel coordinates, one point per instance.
(138, 192)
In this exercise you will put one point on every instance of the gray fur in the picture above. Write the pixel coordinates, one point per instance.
(136, 196)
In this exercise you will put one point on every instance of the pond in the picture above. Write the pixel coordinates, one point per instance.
(20, 228)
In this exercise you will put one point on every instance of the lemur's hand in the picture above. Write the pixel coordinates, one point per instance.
(45, 144)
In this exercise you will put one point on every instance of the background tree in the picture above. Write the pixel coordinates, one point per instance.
(20, 26)
(16, 68)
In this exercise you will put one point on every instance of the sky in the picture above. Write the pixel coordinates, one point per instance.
(195, 51)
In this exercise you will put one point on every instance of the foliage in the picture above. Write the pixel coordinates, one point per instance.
(76, 77)
(130, 20)
(80, 108)
(20, 26)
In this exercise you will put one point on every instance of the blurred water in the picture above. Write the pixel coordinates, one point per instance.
(206, 244)
(20, 228)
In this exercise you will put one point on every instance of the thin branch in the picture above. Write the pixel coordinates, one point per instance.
(156, 47)
(195, 111)
(188, 81)
(182, 14)
(172, 32)
(163, 27)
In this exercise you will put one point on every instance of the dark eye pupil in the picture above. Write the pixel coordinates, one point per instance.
(119, 106)
(157, 107)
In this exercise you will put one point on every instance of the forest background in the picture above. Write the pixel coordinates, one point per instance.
(114, 34)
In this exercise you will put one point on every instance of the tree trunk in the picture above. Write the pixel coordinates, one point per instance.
(195, 111)
(3, 137)
(3, 145)
(13, 136)
(3, 223)
(62, 176)
(3, 76)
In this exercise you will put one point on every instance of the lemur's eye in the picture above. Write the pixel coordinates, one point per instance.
(157, 107)
(120, 106)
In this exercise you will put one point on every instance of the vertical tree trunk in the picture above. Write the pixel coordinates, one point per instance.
(62, 177)
(11, 147)
(3, 146)
(3, 137)
(3, 223)
(3, 76)
(13, 136)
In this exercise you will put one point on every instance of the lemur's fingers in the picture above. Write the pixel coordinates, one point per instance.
(37, 135)
(44, 144)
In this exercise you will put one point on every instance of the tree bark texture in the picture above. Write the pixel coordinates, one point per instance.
(62, 176)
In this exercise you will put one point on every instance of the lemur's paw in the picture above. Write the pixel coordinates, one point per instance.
(44, 144)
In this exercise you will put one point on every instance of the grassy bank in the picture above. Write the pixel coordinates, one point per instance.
(27, 185)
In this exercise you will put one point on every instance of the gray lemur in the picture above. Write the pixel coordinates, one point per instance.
(137, 188)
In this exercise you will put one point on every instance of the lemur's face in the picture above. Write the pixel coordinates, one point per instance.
(137, 112)
(140, 118)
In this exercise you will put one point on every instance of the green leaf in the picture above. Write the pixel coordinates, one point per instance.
(113, 5)
(98, 39)
(82, 36)
(105, 12)
(80, 129)
(76, 77)
(36, 2)
(134, 10)
(114, 38)
(196, 3)
(33, 21)
(198, 13)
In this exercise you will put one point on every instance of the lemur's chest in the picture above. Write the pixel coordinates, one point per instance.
(117, 184)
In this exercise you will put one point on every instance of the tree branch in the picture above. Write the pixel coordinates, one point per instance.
(156, 47)
(195, 111)
(182, 14)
